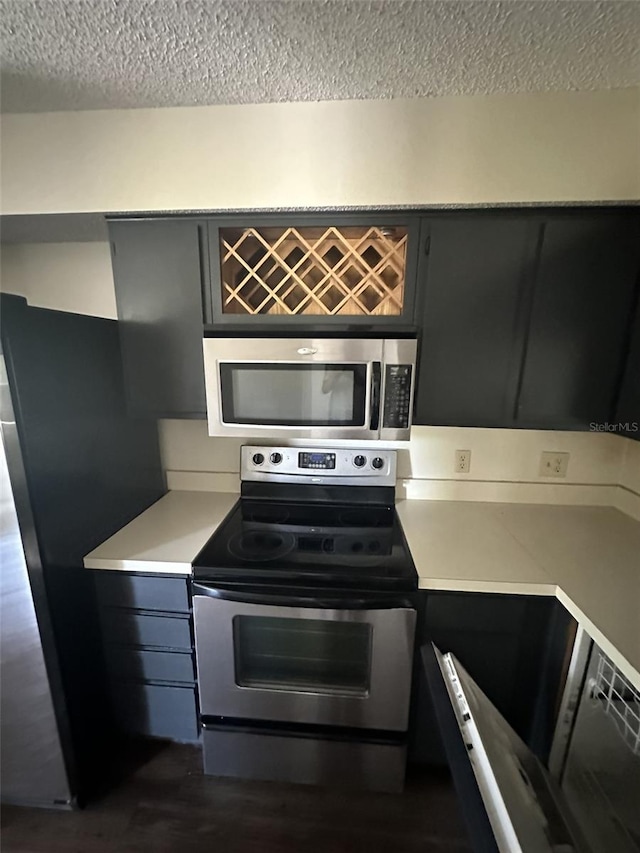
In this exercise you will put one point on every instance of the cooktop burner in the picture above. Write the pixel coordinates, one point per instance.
(257, 545)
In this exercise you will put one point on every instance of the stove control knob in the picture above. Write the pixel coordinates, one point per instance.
(377, 462)
(359, 461)
(258, 459)
(276, 458)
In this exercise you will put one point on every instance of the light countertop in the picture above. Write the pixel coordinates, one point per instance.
(588, 557)
(166, 537)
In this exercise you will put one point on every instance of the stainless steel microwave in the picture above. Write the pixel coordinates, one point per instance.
(315, 387)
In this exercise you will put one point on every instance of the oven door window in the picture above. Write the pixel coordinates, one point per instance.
(302, 655)
(293, 394)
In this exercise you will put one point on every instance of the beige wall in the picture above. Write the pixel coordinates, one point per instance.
(509, 455)
(497, 455)
(630, 474)
(66, 276)
(463, 150)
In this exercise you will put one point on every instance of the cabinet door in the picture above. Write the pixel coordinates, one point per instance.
(492, 635)
(579, 323)
(514, 646)
(628, 408)
(159, 270)
(471, 293)
(355, 270)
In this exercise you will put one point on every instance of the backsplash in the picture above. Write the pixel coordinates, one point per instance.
(630, 471)
(497, 456)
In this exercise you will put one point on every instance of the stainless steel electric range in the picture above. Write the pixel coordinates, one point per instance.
(305, 621)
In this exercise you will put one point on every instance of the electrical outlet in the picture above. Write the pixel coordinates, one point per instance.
(463, 461)
(553, 464)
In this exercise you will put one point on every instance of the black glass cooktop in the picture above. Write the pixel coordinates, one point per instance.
(313, 544)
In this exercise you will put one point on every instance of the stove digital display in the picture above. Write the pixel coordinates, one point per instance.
(324, 461)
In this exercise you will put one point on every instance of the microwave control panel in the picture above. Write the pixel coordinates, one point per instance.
(397, 396)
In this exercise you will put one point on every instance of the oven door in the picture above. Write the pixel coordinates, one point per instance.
(322, 660)
(293, 387)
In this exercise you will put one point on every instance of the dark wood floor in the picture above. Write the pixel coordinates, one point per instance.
(168, 806)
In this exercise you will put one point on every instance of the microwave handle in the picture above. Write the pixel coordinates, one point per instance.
(313, 598)
(376, 381)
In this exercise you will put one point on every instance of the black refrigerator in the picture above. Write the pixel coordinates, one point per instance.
(74, 469)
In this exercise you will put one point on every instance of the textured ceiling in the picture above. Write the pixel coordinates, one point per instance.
(97, 54)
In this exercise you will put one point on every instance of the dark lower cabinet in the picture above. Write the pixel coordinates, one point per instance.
(147, 637)
(150, 664)
(155, 631)
(158, 710)
(516, 650)
(160, 270)
(137, 592)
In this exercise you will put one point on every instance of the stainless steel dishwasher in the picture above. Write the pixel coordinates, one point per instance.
(600, 774)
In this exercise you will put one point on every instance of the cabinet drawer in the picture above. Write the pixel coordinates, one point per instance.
(142, 593)
(146, 665)
(156, 710)
(141, 629)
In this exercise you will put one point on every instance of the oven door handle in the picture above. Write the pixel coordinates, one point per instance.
(376, 381)
(347, 601)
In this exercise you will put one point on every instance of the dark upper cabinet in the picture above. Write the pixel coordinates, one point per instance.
(524, 315)
(471, 310)
(314, 269)
(628, 408)
(580, 317)
(161, 280)
(526, 319)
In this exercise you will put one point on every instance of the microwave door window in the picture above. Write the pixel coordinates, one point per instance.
(294, 395)
(336, 395)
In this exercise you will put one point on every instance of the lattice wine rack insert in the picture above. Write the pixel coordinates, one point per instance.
(357, 270)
